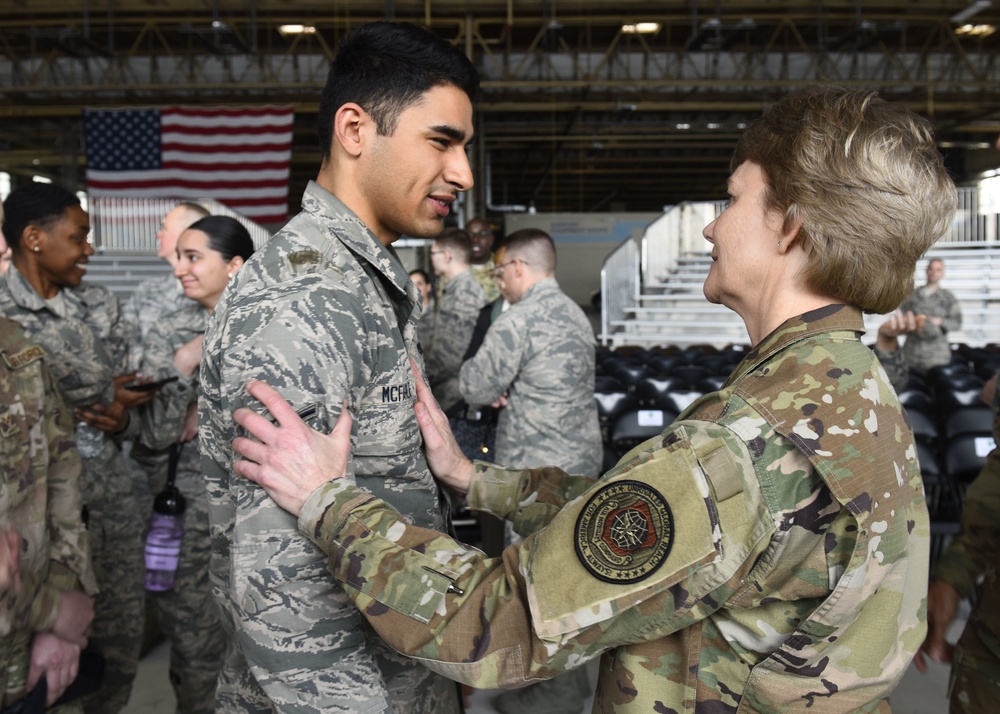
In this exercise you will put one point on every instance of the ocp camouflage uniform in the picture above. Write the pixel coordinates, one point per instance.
(326, 315)
(40, 500)
(975, 553)
(87, 343)
(541, 353)
(929, 347)
(484, 276)
(188, 614)
(766, 553)
(462, 298)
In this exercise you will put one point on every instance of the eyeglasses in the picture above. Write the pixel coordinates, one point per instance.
(498, 271)
(484, 232)
(437, 252)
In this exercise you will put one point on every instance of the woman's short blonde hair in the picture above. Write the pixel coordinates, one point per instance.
(867, 181)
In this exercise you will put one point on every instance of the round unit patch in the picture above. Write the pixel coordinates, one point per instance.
(625, 532)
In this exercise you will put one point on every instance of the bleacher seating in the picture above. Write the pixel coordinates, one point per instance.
(122, 272)
(673, 310)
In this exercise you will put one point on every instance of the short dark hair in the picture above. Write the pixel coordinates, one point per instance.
(34, 204)
(226, 236)
(456, 241)
(384, 67)
(422, 273)
(534, 246)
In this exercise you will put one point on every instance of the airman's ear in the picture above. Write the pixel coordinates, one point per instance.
(349, 127)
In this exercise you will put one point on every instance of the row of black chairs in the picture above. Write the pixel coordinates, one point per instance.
(639, 391)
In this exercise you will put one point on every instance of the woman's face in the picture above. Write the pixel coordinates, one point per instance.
(63, 248)
(202, 271)
(422, 285)
(744, 243)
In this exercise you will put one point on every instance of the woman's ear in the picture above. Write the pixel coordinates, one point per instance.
(235, 263)
(791, 230)
(31, 239)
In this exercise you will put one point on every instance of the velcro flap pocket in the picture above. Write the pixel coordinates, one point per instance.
(628, 538)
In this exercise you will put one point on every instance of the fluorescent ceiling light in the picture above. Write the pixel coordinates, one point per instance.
(641, 28)
(961, 16)
(976, 30)
(297, 30)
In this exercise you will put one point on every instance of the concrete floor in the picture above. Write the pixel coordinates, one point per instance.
(916, 694)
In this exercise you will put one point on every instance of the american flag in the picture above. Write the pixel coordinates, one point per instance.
(239, 156)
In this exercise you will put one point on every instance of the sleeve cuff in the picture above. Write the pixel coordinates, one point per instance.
(324, 512)
(495, 490)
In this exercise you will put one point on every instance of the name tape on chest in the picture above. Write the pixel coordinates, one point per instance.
(625, 532)
(23, 357)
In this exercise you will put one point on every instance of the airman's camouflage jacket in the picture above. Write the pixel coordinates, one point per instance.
(766, 553)
(541, 353)
(162, 419)
(150, 301)
(929, 347)
(462, 298)
(326, 315)
(39, 499)
(87, 341)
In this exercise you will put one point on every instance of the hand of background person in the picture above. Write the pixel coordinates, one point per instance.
(10, 549)
(500, 401)
(190, 428)
(942, 605)
(897, 323)
(289, 460)
(129, 398)
(444, 457)
(110, 419)
(76, 612)
(57, 659)
(188, 356)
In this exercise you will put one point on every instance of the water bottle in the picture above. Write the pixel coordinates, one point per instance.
(166, 528)
(89, 440)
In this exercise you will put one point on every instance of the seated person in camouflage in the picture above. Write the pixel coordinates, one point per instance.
(768, 551)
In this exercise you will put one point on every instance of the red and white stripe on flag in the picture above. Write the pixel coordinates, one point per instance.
(239, 156)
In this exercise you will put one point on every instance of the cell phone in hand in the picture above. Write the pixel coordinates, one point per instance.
(149, 386)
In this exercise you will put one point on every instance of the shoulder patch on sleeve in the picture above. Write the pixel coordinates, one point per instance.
(27, 356)
(625, 532)
(647, 526)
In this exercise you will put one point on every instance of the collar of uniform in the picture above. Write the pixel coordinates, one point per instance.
(363, 243)
(64, 304)
(488, 267)
(457, 280)
(545, 285)
(830, 318)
